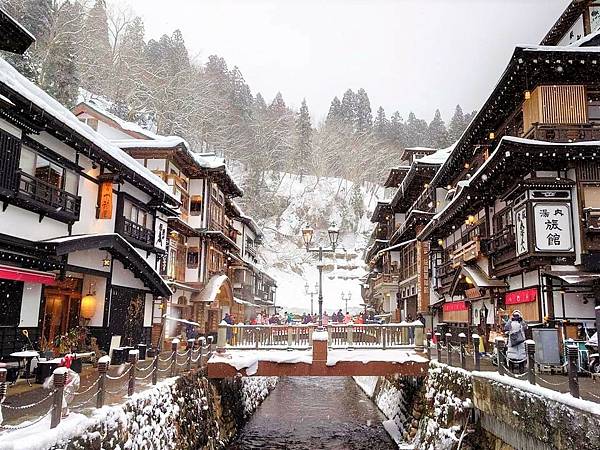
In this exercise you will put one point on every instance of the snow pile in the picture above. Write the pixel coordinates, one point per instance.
(254, 391)
(367, 384)
(249, 359)
(448, 391)
(369, 355)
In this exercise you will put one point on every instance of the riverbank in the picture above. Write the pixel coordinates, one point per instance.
(188, 412)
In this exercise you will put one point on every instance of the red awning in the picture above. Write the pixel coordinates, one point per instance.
(29, 276)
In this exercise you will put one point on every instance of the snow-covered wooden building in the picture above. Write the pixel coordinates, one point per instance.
(211, 259)
(71, 252)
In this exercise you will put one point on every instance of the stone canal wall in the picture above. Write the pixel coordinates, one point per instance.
(483, 411)
(189, 412)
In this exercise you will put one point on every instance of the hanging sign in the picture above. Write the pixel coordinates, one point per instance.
(521, 296)
(455, 306)
(553, 228)
(521, 230)
(160, 234)
(594, 18)
(105, 195)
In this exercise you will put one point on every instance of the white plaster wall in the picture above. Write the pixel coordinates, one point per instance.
(122, 277)
(97, 285)
(25, 224)
(148, 310)
(30, 304)
(54, 144)
(91, 259)
(88, 224)
(135, 192)
(575, 309)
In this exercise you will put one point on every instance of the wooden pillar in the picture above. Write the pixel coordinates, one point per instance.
(103, 363)
(59, 378)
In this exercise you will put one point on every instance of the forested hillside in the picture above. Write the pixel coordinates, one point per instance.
(101, 49)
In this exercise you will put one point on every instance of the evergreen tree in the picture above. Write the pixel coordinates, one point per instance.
(335, 111)
(437, 135)
(357, 204)
(95, 57)
(348, 109)
(259, 102)
(381, 125)
(398, 130)
(457, 124)
(416, 131)
(364, 118)
(278, 106)
(304, 140)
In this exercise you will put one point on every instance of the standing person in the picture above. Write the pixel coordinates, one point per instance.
(411, 330)
(347, 317)
(229, 321)
(325, 319)
(516, 353)
(340, 316)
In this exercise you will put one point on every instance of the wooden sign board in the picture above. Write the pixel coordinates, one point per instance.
(105, 200)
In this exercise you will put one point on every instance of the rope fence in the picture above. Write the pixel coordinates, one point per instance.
(96, 393)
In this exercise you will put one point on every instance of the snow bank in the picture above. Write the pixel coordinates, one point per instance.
(370, 355)
(248, 359)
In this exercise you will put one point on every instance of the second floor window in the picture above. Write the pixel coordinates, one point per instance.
(137, 215)
(48, 171)
(196, 205)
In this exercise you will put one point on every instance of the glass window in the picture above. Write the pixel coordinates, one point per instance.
(71, 182)
(594, 106)
(196, 205)
(27, 162)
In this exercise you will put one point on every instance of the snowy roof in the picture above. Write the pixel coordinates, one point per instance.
(14, 37)
(397, 246)
(10, 77)
(246, 219)
(211, 290)
(159, 142)
(129, 127)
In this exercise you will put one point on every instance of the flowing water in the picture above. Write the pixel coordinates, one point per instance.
(310, 413)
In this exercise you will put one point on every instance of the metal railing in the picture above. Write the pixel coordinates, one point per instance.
(374, 336)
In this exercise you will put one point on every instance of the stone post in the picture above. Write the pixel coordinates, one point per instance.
(438, 346)
(59, 380)
(573, 355)
(350, 336)
(221, 337)
(190, 346)
(463, 342)
(530, 347)
(448, 349)
(133, 358)
(174, 344)
(428, 345)
(383, 337)
(290, 336)
(500, 352)
(103, 363)
(419, 338)
(476, 354)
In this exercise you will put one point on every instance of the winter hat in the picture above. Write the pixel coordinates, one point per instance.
(517, 313)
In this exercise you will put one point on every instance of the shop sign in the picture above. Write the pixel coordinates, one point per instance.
(521, 230)
(472, 293)
(553, 229)
(594, 18)
(160, 234)
(521, 296)
(105, 195)
(455, 306)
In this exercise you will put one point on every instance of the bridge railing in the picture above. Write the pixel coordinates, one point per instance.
(395, 335)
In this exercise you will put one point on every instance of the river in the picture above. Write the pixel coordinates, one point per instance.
(310, 413)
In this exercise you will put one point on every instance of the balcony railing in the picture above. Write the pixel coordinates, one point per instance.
(385, 278)
(444, 275)
(564, 133)
(467, 252)
(501, 240)
(138, 232)
(55, 202)
(591, 219)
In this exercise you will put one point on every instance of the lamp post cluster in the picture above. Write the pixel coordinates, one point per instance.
(346, 298)
(307, 236)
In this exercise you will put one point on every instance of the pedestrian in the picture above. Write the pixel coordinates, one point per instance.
(229, 321)
(325, 319)
(340, 316)
(420, 318)
(411, 330)
(516, 354)
(347, 317)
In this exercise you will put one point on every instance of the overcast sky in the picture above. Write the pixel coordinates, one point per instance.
(407, 54)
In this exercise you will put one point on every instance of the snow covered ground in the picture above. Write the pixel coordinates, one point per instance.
(317, 202)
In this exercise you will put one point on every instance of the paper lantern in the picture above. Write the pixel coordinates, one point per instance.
(88, 306)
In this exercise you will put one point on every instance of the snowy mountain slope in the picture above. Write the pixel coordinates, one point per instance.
(318, 202)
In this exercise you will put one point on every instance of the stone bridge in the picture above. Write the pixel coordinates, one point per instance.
(304, 350)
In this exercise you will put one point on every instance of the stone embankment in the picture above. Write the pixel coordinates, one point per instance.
(189, 412)
(452, 408)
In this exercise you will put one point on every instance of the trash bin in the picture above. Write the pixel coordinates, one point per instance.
(142, 348)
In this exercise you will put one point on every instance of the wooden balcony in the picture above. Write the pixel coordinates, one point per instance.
(139, 234)
(385, 278)
(47, 199)
(564, 133)
(444, 276)
(501, 248)
(466, 252)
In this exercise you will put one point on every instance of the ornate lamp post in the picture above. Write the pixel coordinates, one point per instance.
(346, 299)
(307, 236)
(311, 293)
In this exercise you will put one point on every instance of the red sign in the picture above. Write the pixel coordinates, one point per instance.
(455, 306)
(9, 273)
(522, 296)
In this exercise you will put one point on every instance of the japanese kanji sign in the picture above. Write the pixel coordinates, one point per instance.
(553, 228)
(521, 234)
(160, 234)
(521, 296)
(105, 204)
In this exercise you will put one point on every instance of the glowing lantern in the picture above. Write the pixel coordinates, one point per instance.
(88, 306)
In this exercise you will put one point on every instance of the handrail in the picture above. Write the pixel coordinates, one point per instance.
(137, 231)
(48, 194)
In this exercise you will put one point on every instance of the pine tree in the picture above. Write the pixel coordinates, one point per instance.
(259, 102)
(364, 118)
(437, 135)
(348, 109)
(304, 140)
(457, 124)
(278, 106)
(95, 58)
(416, 131)
(381, 125)
(398, 130)
(335, 111)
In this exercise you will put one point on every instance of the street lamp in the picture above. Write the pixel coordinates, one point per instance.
(307, 236)
(346, 299)
(311, 293)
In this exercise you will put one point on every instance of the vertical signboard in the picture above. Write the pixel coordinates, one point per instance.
(105, 195)
(521, 230)
(160, 234)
